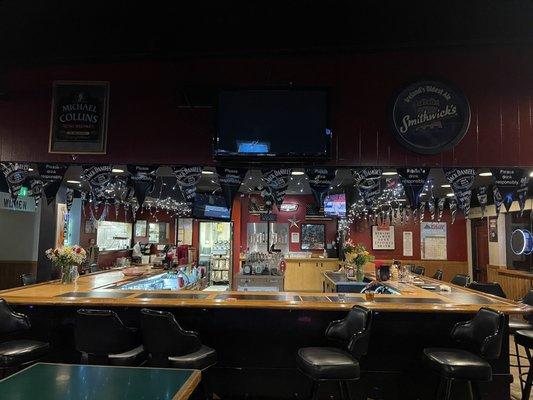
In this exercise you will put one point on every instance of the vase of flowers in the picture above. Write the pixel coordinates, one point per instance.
(67, 259)
(356, 256)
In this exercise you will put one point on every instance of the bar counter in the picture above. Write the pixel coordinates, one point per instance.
(99, 289)
(257, 335)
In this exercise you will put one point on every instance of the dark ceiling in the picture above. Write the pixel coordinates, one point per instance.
(71, 31)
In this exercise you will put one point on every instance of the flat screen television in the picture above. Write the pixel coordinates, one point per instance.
(335, 205)
(209, 206)
(272, 124)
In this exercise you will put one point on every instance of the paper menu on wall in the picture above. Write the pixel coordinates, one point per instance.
(433, 241)
(408, 244)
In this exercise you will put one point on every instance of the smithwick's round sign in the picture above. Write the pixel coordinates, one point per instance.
(429, 116)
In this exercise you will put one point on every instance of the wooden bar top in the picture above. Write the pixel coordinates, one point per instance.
(92, 290)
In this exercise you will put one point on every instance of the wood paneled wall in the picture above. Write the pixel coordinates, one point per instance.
(10, 272)
(515, 284)
(449, 268)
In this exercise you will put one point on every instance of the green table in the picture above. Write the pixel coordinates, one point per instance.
(45, 381)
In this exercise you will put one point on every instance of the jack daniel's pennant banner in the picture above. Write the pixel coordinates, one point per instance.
(52, 176)
(368, 182)
(277, 181)
(498, 200)
(15, 174)
(440, 205)
(507, 180)
(422, 210)
(320, 181)
(230, 180)
(69, 196)
(453, 209)
(432, 208)
(461, 180)
(143, 179)
(522, 193)
(413, 181)
(482, 198)
(36, 190)
(99, 178)
(187, 179)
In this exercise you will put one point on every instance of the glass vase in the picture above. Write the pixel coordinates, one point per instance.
(69, 274)
(359, 273)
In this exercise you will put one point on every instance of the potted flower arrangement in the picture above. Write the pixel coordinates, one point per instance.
(67, 259)
(356, 256)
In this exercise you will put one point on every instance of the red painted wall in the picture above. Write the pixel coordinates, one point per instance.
(147, 126)
(456, 239)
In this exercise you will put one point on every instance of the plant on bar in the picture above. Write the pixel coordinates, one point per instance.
(356, 256)
(67, 259)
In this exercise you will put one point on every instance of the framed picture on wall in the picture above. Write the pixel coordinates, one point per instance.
(79, 117)
(313, 237)
(383, 237)
(140, 228)
(89, 227)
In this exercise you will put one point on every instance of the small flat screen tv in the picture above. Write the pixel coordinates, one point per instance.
(335, 205)
(272, 124)
(209, 206)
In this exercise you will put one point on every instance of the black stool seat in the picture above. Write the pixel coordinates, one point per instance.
(202, 358)
(518, 325)
(327, 363)
(102, 338)
(524, 338)
(128, 358)
(458, 364)
(16, 352)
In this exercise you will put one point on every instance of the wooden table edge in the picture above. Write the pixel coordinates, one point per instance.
(188, 387)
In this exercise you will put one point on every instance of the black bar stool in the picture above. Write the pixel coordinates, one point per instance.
(525, 339)
(489, 288)
(169, 345)
(460, 280)
(420, 270)
(338, 363)
(18, 352)
(102, 338)
(438, 275)
(484, 333)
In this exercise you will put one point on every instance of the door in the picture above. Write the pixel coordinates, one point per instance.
(480, 249)
(215, 251)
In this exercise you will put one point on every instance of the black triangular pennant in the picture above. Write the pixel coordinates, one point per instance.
(187, 179)
(52, 176)
(461, 181)
(230, 180)
(277, 180)
(143, 179)
(320, 180)
(522, 193)
(413, 181)
(36, 190)
(99, 178)
(69, 197)
(507, 180)
(482, 198)
(15, 174)
(368, 182)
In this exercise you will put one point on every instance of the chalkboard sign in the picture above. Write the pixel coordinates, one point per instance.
(79, 117)
(429, 116)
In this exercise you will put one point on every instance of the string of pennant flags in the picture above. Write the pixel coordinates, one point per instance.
(370, 195)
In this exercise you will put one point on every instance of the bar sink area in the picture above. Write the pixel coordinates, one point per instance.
(336, 282)
(164, 281)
